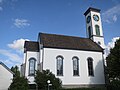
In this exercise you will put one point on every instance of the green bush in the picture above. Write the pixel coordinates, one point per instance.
(114, 85)
(41, 79)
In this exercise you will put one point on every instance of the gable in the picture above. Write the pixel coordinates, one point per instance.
(68, 42)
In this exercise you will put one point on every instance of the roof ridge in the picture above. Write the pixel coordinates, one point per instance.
(63, 35)
(32, 41)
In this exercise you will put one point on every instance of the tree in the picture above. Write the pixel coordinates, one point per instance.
(41, 79)
(15, 70)
(113, 65)
(18, 83)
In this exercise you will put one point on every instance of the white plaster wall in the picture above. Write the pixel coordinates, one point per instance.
(49, 62)
(29, 55)
(24, 57)
(41, 55)
(5, 78)
(101, 40)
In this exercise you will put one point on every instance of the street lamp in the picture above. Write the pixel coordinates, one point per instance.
(48, 81)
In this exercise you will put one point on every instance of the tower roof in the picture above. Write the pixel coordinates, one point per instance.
(91, 9)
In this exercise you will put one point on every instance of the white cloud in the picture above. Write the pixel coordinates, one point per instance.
(18, 45)
(110, 45)
(11, 56)
(21, 23)
(111, 14)
(114, 18)
(4, 2)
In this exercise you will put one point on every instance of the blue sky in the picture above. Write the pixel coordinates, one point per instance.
(22, 20)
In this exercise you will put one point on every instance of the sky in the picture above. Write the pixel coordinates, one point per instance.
(22, 20)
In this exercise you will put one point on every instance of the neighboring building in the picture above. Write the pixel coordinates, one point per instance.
(6, 76)
(77, 61)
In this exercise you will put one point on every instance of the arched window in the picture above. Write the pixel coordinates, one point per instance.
(90, 66)
(89, 31)
(59, 65)
(97, 28)
(32, 62)
(75, 66)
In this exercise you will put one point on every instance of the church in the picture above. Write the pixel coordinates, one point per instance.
(77, 61)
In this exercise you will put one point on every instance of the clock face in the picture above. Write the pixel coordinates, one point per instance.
(88, 19)
(96, 17)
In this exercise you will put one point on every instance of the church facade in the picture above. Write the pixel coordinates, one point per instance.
(77, 61)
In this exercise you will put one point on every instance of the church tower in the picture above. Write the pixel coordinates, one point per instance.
(94, 26)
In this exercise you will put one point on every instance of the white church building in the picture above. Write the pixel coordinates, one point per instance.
(77, 61)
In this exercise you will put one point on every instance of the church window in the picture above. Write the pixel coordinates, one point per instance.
(90, 67)
(97, 28)
(32, 62)
(89, 31)
(59, 65)
(75, 66)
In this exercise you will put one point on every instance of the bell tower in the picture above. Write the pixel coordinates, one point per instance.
(94, 26)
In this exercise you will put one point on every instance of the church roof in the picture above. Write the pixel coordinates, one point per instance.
(68, 42)
(31, 46)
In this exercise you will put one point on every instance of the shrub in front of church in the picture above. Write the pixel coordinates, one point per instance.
(43, 77)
